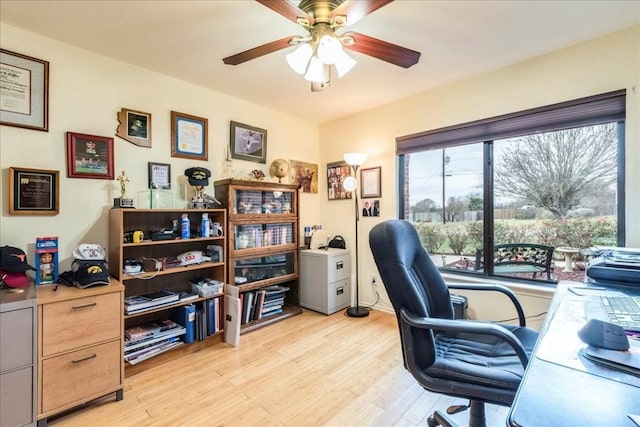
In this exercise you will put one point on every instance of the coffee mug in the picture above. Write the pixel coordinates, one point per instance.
(216, 229)
(138, 236)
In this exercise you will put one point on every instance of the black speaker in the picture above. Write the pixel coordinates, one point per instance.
(460, 306)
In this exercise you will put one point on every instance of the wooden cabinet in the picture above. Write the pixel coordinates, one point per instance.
(80, 336)
(263, 241)
(159, 254)
(18, 375)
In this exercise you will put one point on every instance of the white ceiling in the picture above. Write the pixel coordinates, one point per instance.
(188, 39)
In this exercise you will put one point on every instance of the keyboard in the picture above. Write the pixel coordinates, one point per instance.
(623, 311)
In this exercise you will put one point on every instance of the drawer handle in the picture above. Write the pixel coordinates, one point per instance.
(78, 307)
(93, 356)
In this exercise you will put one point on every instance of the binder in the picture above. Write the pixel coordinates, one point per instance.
(211, 327)
(186, 316)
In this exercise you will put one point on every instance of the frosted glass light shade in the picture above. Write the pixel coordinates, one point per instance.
(355, 159)
(328, 49)
(299, 58)
(350, 183)
(343, 62)
(315, 71)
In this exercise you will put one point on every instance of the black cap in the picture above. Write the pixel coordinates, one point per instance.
(88, 273)
(198, 176)
(13, 260)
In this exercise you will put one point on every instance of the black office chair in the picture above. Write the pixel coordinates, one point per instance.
(479, 361)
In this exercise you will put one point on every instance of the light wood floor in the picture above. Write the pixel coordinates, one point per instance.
(309, 370)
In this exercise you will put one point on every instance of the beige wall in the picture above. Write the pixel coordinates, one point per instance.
(601, 65)
(86, 92)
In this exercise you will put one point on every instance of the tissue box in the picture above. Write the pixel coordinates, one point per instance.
(207, 287)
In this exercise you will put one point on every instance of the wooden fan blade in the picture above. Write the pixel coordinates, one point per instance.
(355, 10)
(286, 9)
(380, 49)
(257, 52)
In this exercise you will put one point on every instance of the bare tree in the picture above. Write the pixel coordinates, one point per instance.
(556, 170)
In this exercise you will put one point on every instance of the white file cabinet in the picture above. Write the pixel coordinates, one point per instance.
(325, 279)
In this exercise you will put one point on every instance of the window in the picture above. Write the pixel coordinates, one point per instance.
(532, 188)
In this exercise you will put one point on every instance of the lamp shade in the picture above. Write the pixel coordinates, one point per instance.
(343, 62)
(355, 159)
(299, 58)
(329, 48)
(315, 71)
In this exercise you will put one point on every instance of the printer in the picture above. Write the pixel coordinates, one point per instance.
(614, 266)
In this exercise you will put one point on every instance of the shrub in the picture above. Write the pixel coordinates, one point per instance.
(430, 237)
(458, 238)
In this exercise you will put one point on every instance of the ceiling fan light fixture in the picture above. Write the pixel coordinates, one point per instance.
(315, 71)
(329, 48)
(299, 58)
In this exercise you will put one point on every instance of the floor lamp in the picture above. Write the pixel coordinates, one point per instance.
(351, 184)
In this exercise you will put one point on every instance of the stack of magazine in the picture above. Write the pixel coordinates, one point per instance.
(139, 303)
(150, 339)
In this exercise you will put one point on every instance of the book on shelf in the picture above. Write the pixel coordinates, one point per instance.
(271, 313)
(145, 345)
(132, 345)
(187, 296)
(147, 301)
(150, 329)
(156, 351)
(129, 310)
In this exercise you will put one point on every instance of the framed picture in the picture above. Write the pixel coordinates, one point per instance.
(135, 127)
(189, 136)
(336, 173)
(24, 100)
(89, 156)
(370, 182)
(248, 143)
(34, 191)
(159, 175)
(305, 175)
(371, 208)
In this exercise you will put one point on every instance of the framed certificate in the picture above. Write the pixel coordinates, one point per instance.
(189, 136)
(160, 175)
(34, 191)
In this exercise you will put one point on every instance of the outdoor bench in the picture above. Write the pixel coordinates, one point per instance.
(519, 258)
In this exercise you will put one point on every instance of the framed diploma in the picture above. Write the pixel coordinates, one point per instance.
(370, 182)
(159, 175)
(189, 136)
(34, 191)
(89, 156)
(24, 98)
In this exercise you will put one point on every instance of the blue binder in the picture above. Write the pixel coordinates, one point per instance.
(211, 328)
(186, 316)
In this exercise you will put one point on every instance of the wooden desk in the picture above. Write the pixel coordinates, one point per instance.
(562, 388)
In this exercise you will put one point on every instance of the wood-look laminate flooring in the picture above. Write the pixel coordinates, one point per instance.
(309, 370)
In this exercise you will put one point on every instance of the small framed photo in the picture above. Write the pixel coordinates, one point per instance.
(34, 191)
(135, 127)
(89, 156)
(248, 143)
(370, 182)
(159, 175)
(336, 174)
(189, 136)
(25, 91)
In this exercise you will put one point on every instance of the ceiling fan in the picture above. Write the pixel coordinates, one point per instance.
(323, 46)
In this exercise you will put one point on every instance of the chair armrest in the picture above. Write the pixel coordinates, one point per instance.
(468, 326)
(497, 288)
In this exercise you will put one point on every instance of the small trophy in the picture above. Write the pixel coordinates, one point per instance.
(123, 201)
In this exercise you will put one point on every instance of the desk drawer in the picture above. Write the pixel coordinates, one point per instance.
(67, 325)
(75, 376)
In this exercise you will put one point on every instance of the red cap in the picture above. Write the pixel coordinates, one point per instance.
(15, 280)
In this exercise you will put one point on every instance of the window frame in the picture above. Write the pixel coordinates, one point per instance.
(608, 107)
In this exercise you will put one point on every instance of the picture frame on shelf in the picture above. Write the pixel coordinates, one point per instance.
(135, 127)
(159, 175)
(370, 183)
(34, 191)
(189, 136)
(248, 143)
(89, 156)
(25, 82)
(336, 174)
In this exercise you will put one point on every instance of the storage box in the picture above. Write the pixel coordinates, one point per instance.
(207, 287)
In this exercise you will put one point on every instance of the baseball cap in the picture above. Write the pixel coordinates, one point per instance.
(89, 251)
(90, 273)
(14, 280)
(13, 260)
(198, 176)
